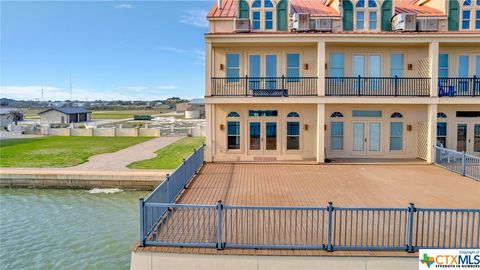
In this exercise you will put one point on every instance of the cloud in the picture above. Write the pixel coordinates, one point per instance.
(195, 17)
(33, 92)
(124, 6)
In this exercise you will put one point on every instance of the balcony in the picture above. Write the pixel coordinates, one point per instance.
(264, 86)
(377, 86)
(452, 87)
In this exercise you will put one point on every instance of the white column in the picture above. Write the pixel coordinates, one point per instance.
(433, 51)
(208, 69)
(320, 133)
(432, 132)
(321, 68)
(210, 125)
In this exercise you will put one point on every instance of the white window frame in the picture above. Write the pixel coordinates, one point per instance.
(262, 9)
(366, 16)
(473, 14)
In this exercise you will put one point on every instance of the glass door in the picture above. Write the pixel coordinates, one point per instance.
(476, 138)
(461, 137)
(358, 70)
(374, 137)
(270, 136)
(375, 71)
(254, 71)
(254, 131)
(359, 138)
(463, 73)
(271, 71)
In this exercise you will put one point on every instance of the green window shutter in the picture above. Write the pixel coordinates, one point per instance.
(347, 15)
(243, 9)
(282, 15)
(453, 15)
(387, 15)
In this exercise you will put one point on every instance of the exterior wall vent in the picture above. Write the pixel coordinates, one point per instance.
(404, 22)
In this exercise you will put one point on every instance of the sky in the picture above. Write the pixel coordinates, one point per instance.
(128, 50)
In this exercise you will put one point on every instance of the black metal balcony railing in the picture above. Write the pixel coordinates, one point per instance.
(264, 86)
(451, 87)
(377, 86)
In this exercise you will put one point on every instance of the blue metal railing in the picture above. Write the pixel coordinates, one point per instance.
(168, 191)
(325, 228)
(459, 162)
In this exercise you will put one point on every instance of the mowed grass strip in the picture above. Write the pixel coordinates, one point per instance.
(169, 157)
(59, 151)
(122, 114)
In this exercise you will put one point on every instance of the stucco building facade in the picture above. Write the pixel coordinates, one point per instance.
(350, 82)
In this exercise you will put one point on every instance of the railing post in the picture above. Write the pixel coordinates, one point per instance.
(359, 84)
(474, 85)
(395, 85)
(411, 213)
(185, 176)
(246, 85)
(142, 222)
(464, 165)
(283, 82)
(219, 225)
(329, 228)
(167, 179)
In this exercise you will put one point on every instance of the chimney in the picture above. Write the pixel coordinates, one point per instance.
(219, 4)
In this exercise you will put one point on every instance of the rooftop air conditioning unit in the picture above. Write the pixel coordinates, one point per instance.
(323, 25)
(404, 22)
(301, 22)
(242, 25)
(426, 25)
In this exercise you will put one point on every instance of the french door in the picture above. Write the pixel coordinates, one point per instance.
(263, 137)
(266, 68)
(367, 138)
(468, 138)
(369, 66)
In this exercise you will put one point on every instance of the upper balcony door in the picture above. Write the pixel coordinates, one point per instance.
(266, 68)
(368, 65)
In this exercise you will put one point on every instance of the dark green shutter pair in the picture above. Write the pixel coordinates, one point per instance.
(282, 13)
(453, 15)
(386, 15)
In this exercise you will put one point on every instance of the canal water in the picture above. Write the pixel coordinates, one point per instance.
(67, 229)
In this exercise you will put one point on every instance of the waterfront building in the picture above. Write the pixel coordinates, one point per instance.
(317, 79)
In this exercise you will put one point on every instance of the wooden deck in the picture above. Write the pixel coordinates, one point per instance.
(344, 185)
(312, 186)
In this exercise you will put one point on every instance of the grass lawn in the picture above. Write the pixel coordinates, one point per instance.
(59, 151)
(171, 156)
(122, 114)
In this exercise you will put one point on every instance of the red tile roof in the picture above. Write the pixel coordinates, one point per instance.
(409, 6)
(317, 8)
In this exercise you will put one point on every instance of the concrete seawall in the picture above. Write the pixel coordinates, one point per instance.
(57, 178)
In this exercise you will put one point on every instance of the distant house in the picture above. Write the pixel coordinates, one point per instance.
(181, 107)
(65, 115)
(196, 108)
(5, 118)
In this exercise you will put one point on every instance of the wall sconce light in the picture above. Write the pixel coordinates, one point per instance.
(305, 127)
(305, 66)
(324, 127)
(409, 127)
(221, 126)
(326, 66)
(221, 66)
(410, 67)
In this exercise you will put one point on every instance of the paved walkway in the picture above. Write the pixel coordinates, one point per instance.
(119, 160)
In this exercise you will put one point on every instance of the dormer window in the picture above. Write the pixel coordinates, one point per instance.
(366, 14)
(470, 14)
(263, 15)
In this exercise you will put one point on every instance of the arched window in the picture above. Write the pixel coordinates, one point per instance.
(263, 15)
(293, 114)
(233, 114)
(336, 114)
(441, 115)
(470, 14)
(396, 115)
(366, 15)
